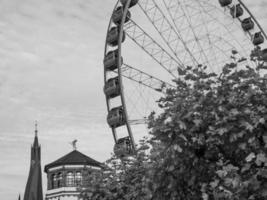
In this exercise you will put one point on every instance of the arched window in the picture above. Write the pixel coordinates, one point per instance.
(78, 178)
(59, 180)
(70, 179)
(54, 181)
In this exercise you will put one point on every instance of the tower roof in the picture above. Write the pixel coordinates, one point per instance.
(74, 158)
(34, 190)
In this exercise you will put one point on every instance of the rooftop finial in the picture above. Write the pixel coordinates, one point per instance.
(74, 144)
(36, 128)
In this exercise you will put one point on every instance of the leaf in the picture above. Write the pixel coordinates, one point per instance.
(230, 168)
(190, 77)
(221, 173)
(234, 52)
(232, 65)
(250, 157)
(262, 67)
(167, 120)
(182, 125)
(263, 173)
(263, 193)
(171, 168)
(221, 131)
(261, 159)
(144, 147)
(236, 182)
(262, 121)
(212, 75)
(251, 140)
(234, 112)
(215, 183)
(188, 68)
(183, 137)
(197, 122)
(265, 140)
(246, 167)
(248, 126)
(242, 60)
(181, 71)
(243, 146)
(176, 147)
(205, 196)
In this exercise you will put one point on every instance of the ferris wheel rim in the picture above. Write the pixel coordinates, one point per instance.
(105, 74)
(253, 17)
(120, 63)
(126, 8)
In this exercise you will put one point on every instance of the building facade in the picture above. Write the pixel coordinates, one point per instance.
(67, 174)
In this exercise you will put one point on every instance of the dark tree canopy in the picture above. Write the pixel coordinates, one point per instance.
(210, 141)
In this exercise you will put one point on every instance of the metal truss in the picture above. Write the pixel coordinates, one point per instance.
(172, 7)
(167, 31)
(138, 121)
(143, 78)
(152, 48)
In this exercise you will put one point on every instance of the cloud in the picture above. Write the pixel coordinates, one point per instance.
(51, 70)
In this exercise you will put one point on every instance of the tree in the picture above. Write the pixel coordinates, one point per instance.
(209, 142)
(214, 130)
(122, 179)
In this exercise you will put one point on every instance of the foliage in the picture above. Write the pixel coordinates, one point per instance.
(121, 180)
(209, 143)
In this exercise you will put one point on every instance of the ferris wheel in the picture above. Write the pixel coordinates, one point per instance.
(148, 41)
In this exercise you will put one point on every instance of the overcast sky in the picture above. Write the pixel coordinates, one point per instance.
(51, 71)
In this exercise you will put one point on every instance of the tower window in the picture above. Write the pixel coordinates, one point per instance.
(78, 178)
(54, 181)
(59, 180)
(70, 179)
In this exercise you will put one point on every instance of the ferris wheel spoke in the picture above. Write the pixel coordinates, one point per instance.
(164, 27)
(152, 48)
(138, 121)
(230, 32)
(172, 8)
(208, 30)
(143, 78)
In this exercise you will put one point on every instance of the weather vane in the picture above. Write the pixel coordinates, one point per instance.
(74, 144)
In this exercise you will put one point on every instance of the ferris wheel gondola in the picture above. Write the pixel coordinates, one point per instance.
(149, 40)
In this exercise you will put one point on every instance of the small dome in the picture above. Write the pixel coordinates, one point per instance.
(74, 158)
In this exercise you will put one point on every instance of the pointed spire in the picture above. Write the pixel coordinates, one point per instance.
(34, 190)
(19, 197)
(35, 144)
